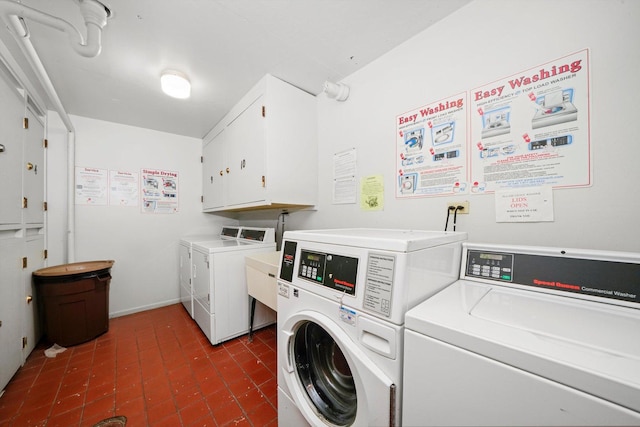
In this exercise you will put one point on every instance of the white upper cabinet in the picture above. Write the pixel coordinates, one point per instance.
(263, 154)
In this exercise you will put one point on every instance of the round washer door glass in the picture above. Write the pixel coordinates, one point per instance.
(325, 374)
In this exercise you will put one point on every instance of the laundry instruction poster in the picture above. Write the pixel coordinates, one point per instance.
(159, 191)
(431, 149)
(123, 186)
(91, 186)
(532, 128)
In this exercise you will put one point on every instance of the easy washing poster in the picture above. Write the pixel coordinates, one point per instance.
(528, 129)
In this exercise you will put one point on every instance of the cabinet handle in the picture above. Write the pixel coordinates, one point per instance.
(29, 299)
(220, 173)
(1, 148)
(227, 170)
(29, 166)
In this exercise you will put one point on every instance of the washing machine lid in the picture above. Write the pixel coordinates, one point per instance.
(397, 240)
(214, 246)
(587, 345)
(194, 238)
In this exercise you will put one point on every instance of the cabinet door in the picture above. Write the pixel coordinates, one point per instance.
(10, 306)
(33, 170)
(11, 114)
(213, 172)
(246, 156)
(34, 251)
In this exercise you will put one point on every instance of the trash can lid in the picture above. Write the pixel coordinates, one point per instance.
(74, 268)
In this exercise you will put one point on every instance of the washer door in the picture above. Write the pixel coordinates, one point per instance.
(331, 380)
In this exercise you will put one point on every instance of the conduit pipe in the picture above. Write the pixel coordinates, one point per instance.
(95, 15)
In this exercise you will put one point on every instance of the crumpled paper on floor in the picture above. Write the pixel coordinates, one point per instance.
(54, 350)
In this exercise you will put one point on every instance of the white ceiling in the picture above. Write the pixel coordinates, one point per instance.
(224, 46)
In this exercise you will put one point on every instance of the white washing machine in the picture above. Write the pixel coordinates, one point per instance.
(528, 336)
(342, 297)
(221, 299)
(185, 252)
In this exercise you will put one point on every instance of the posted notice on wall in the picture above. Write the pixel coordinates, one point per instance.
(431, 147)
(344, 177)
(123, 187)
(532, 128)
(91, 186)
(372, 193)
(159, 191)
(530, 204)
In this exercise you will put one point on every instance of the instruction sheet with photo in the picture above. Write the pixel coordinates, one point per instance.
(159, 191)
(431, 149)
(532, 128)
(91, 186)
(123, 188)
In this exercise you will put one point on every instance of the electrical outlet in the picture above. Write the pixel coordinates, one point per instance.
(465, 206)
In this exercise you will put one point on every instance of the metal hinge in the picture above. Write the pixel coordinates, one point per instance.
(24, 262)
(201, 159)
(25, 202)
(24, 342)
(45, 143)
(45, 254)
(45, 206)
(264, 181)
(25, 123)
(264, 111)
(201, 199)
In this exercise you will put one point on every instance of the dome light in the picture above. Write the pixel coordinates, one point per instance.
(175, 84)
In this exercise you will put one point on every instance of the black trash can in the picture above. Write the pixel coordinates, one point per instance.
(74, 301)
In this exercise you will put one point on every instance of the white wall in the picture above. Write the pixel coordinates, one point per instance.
(485, 41)
(144, 246)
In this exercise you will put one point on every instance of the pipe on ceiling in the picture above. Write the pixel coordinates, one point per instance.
(95, 15)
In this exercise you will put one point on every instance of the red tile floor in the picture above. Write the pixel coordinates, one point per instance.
(157, 369)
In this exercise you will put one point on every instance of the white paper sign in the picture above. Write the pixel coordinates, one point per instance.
(529, 204)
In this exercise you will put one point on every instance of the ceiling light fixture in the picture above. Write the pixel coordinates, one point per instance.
(175, 84)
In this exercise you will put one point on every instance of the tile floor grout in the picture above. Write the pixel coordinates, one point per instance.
(154, 367)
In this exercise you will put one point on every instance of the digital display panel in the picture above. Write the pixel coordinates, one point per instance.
(495, 257)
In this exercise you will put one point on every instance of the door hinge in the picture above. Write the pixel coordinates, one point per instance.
(264, 181)
(25, 123)
(25, 202)
(45, 143)
(24, 262)
(264, 111)
(45, 254)
(24, 342)
(45, 206)
(201, 199)
(201, 159)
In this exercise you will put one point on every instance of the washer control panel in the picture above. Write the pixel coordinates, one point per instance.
(333, 271)
(582, 273)
(490, 265)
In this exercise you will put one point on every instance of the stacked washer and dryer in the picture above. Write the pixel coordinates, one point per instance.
(342, 299)
(527, 336)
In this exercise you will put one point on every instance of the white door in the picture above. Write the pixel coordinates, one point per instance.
(246, 157)
(330, 379)
(213, 172)
(10, 306)
(34, 250)
(11, 115)
(201, 279)
(33, 170)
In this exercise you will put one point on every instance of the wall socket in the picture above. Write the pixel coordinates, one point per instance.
(465, 206)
